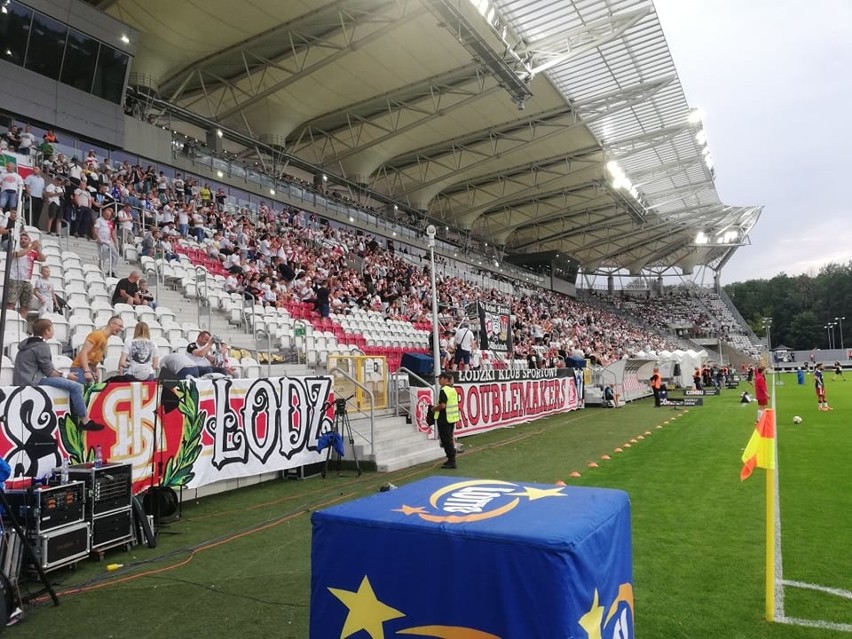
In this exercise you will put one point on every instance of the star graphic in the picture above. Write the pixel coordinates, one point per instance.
(591, 621)
(365, 611)
(410, 510)
(540, 493)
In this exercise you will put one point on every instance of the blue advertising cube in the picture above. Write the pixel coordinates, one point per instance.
(480, 559)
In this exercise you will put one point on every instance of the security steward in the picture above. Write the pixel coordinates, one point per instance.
(446, 415)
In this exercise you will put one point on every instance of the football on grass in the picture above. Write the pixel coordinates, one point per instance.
(797, 420)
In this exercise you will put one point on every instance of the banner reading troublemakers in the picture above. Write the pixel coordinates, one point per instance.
(496, 399)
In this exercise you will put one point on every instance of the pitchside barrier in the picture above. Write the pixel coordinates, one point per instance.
(370, 372)
(499, 398)
(190, 433)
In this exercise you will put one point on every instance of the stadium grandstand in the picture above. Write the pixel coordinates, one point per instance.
(257, 169)
(292, 185)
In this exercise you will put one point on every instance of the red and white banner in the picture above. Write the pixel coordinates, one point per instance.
(496, 399)
(189, 433)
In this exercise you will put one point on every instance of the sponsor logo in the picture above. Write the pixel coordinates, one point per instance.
(476, 500)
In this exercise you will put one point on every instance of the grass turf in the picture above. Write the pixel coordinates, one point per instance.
(238, 563)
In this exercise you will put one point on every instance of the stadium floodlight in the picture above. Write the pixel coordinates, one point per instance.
(840, 321)
(219, 133)
(123, 38)
(696, 116)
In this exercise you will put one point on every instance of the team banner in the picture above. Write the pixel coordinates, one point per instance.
(526, 560)
(495, 321)
(496, 399)
(199, 432)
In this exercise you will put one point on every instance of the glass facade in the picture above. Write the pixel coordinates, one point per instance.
(51, 48)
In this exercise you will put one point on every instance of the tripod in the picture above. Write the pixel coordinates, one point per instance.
(340, 427)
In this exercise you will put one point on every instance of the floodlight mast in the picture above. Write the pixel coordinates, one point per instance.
(436, 337)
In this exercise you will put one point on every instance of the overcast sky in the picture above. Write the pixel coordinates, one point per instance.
(773, 77)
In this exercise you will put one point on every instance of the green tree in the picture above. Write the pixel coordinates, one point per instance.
(799, 306)
(805, 330)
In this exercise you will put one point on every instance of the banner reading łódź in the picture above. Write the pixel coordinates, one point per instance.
(495, 333)
(500, 398)
(197, 431)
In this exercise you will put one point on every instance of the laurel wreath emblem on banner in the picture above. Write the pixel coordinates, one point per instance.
(72, 436)
(178, 470)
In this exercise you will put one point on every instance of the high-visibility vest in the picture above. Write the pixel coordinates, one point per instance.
(655, 380)
(453, 413)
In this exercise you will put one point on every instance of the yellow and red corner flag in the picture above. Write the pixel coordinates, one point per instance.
(760, 451)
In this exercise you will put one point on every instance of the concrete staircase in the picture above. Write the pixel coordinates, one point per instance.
(397, 445)
(186, 310)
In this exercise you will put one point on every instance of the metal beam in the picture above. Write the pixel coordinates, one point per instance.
(605, 223)
(377, 121)
(543, 54)
(512, 174)
(624, 148)
(565, 216)
(288, 39)
(543, 186)
(493, 54)
(662, 172)
(569, 215)
(376, 106)
(455, 157)
(390, 22)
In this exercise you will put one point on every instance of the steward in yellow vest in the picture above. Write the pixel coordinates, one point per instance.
(447, 415)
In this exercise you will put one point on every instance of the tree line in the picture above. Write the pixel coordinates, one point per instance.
(800, 306)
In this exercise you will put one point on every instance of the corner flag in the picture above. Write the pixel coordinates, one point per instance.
(760, 451)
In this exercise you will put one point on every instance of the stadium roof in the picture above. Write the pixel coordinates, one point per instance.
(531, 125)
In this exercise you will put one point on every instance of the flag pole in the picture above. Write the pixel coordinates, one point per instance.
(770, 524)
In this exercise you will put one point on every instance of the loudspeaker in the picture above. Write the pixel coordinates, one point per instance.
(417, 363)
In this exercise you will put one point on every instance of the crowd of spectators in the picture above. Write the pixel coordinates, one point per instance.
(279, 254)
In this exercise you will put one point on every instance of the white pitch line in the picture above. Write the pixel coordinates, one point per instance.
(810, 623)
(779, 568)
(838, 592)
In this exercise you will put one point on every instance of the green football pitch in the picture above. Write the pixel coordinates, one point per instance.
(238, 564)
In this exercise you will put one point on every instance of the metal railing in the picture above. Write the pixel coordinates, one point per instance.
(304, 326)
(246, 296)
(369, 394)
(268, 334)
(397, 404)
(202, 295)
(147, 271)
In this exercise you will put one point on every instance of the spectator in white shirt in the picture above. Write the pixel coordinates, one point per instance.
(44, 292)
(107, 240)
(54, 192)
(10, 182)
(27, 141)
(34, 184)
